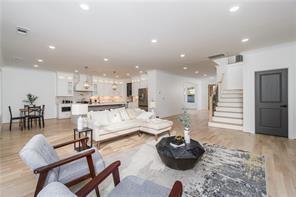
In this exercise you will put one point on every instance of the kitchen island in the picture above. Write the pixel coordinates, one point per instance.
(105, 106)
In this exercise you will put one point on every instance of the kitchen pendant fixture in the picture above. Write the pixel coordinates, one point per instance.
(86, 84)
(114, 85)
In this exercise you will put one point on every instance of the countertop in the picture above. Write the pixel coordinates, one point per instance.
(102, 104)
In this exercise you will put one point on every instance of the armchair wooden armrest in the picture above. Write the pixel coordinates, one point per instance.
(177, 190)
(83, 141)
(43, 171)
(64, 161)
(111, 169)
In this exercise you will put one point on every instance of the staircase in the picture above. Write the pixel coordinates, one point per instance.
(228, 112)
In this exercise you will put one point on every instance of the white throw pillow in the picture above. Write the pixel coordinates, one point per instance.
(145, 116)
(124, 115)
(131, 113)
(101, 117)
(115, 116)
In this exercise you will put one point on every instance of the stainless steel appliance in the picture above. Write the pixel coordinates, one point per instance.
(143, 98)
(64, 111)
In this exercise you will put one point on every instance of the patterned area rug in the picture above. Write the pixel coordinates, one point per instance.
(220, 172)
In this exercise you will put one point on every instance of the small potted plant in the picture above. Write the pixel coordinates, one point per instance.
(30, 99)
(185, 120)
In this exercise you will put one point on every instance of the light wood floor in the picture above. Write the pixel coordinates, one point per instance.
(280, 153)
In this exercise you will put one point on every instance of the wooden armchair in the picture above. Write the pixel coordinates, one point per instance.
(42, 158)
(129, 186)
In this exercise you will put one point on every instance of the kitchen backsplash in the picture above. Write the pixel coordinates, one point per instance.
(107, 99)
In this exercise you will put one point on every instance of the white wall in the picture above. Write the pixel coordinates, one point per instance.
(276, 57)
(233, 75)
(1, 62)
(168, 92)
(18, 82)
(203, 92)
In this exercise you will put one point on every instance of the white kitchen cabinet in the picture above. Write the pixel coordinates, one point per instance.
(65, 84)
(95, 89)
(135, 87)
(95, 86)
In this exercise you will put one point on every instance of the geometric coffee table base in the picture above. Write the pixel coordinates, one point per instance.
(181, 158)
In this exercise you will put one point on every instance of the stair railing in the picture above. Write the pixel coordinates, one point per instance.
(214, 97)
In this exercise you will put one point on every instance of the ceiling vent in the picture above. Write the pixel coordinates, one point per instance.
(235, 59)
(216, 56)
(22, 30)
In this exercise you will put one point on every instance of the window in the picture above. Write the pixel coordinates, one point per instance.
(191, 95)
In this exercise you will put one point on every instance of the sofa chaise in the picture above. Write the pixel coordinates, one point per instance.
(110, 124)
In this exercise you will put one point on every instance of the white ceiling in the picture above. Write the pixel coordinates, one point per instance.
(122, 31)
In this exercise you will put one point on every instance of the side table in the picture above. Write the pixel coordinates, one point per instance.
(79, 132)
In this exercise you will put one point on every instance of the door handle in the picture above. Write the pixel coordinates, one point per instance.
(284, 106)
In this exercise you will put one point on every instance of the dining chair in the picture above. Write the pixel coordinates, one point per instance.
(21, 119)
(34, 113)
(42, 115)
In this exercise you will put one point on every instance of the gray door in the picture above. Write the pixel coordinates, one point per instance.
(271, 97)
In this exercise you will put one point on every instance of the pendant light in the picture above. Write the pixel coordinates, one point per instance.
(86, 84)
(114, 85)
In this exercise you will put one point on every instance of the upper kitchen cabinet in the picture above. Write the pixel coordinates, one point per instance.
(83, 83)
(139, 83)
(65, 84)
(96, 86)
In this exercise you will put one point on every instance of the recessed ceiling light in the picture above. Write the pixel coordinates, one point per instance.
(141, 72)
(245, 39)
(40, 60)
(185, 68)
(205, 75)
(137, 67)
(51, 47)
(106, 59)
(234, 8)
(76, 71)
(182, 55)
(154, 41)
(36, 66)
(84, 6)
(196, 72)
(104, 75)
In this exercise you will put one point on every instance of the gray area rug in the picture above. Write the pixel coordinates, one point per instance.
(220, 172)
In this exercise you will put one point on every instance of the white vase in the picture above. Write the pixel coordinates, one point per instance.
(187, 135)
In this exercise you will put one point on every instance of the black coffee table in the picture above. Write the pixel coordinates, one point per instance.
(180, 158)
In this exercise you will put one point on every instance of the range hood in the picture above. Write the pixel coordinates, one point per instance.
(80, 83)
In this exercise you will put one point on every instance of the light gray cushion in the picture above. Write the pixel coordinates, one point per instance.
(37, 153)
(55, 189)
(135, 186)
(79, 167)
(157, 124)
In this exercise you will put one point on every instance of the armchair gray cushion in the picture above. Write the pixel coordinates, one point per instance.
(55, 189)
(38, 152)
(135, 186)
(79, 167)
(130, 186)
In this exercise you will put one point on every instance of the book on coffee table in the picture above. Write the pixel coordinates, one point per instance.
(176, 145)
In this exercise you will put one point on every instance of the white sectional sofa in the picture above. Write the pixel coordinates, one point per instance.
(110, 124)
